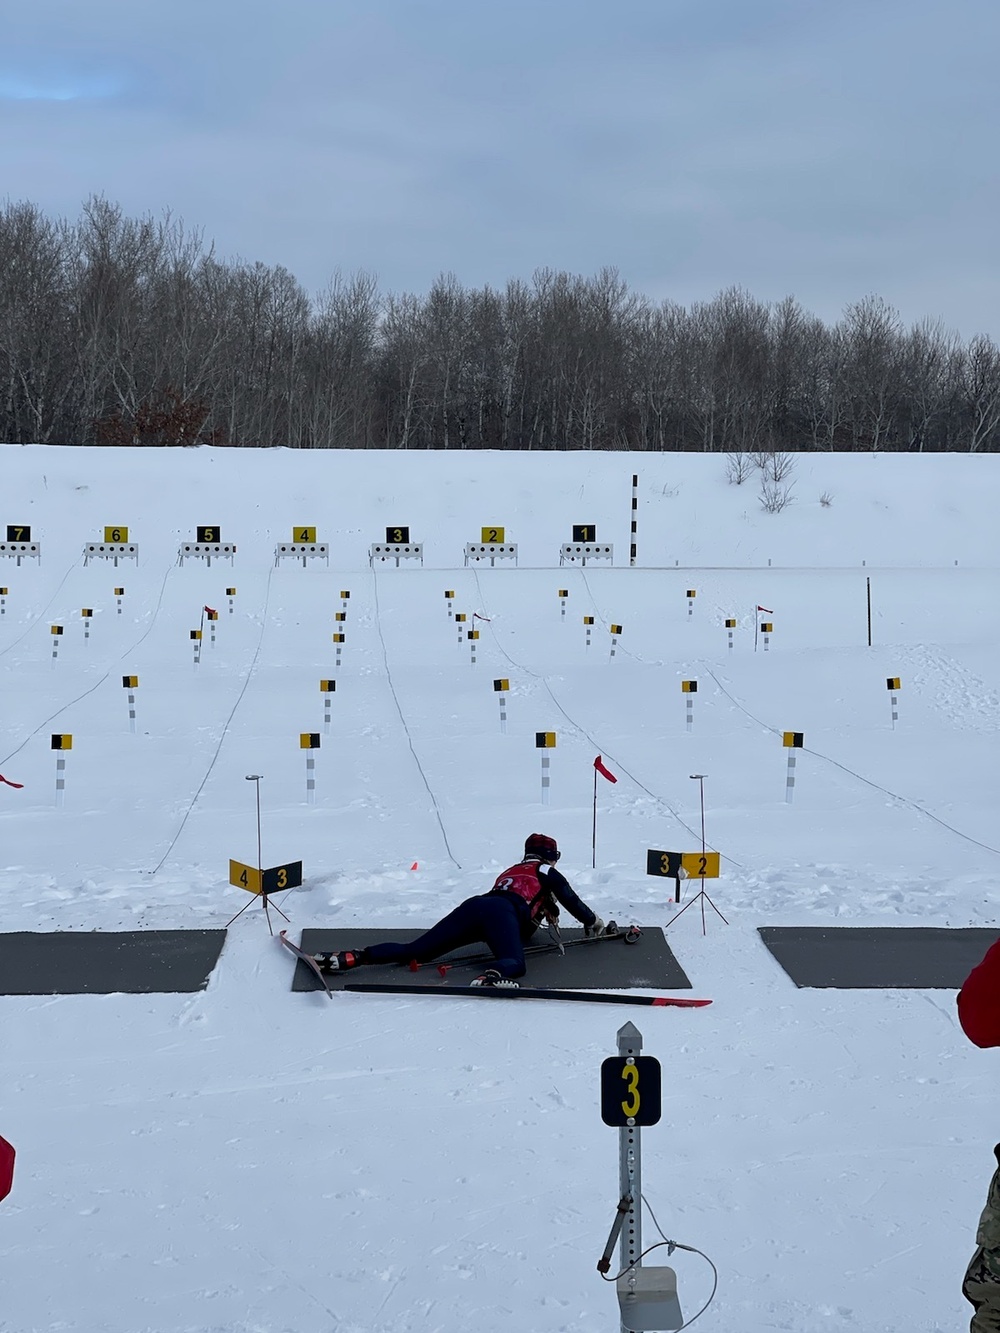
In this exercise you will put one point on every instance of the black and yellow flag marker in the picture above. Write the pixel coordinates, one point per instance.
(274, 880)
(327, 686)
(130, 682)
(62, 741)
(683, 865)
(309, 740)
(792, 739)
(501, 685)
(545, 740)
(689, 686)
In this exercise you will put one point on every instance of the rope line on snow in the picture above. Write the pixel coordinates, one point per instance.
(406, 729)
(128, 651)
(41, 615)
(660, 800)
(225, 728)
(903, 800)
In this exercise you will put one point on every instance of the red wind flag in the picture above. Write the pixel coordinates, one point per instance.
(767, 609)
(9, 783)
(604, 772)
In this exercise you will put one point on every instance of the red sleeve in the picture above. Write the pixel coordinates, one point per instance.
(979, 1001)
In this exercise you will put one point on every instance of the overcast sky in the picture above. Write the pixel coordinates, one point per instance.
(825, 149)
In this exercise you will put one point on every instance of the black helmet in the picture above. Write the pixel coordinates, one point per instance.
(542, 846)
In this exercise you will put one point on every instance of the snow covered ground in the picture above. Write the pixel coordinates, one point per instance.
(250, 1160)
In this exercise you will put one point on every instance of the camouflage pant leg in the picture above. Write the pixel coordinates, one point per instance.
(982, 1289)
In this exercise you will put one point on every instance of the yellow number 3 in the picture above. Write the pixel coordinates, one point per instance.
(631, 1074)
(282, 877)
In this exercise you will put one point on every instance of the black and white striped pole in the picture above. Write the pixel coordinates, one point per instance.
(691, 594)
(766, 628)
(730, 626)
(545, 741)
(309, 741)
(3, 601)
(327, 688)
(690, 688)
(231, 594)
(56, 632)
(131, 683)
(86, 614)
(563, 595)
(892, 684)
(635, 515)
(792, 740)
(460, 619)
(61, 743)
(211, 616)
(119, 594)
(196, 641)
(338, 639)
(345, 597)
(449, 598)
(615, 631)
(473, 637)
(588, 622)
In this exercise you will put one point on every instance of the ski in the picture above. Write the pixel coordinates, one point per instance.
(520, 993)
(306, 958)
(629, 935)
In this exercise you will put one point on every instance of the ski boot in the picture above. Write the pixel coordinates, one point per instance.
(336, 962)
(492, 978)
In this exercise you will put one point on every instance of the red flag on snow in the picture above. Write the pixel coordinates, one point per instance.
(767, 609)
(9, 783)
(212, 613)
(604, 772)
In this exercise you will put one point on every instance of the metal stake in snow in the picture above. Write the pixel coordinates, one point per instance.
(545, 741)
(635, 514)
(793, 740)
(473, 637)
(3, 601)
(631, 1097)
(615, 631)
(345, 597)
(691, 594)
(766, 629)
(61, 742)
(501, 686)
(131, 683)
(230, 593)
(339, 641)
(689, 688)
(119, 594)
(460, 619)
(212, 617)
(589, 625)
(309, 741)
(730, 626)
(56, 632)
(563, 594)
(892, 684)
(449, 599)
(327, 688)
(196, 641)
(87, 613)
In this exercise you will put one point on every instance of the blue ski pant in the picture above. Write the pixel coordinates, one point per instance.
(490, 919)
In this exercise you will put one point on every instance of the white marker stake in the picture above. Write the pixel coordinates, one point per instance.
(689, 701)
(790, 777)
(60, 779)
(545, 777)
(615, 631)
(327, 701)
(310, 777)
(3, 602)
(86, 629)
(503, 715)
(473, 637)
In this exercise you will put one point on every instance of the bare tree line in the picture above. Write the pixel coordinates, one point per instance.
(118, 330)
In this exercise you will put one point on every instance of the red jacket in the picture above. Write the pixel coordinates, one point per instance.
(979, 1001)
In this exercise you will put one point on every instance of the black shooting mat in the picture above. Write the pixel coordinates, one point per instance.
(104, 962)
(877, 957)
(603, 965)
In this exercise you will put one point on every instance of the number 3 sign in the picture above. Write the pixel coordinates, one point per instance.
(630, 1090)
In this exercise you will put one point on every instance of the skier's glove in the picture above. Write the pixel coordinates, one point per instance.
(595, 928)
